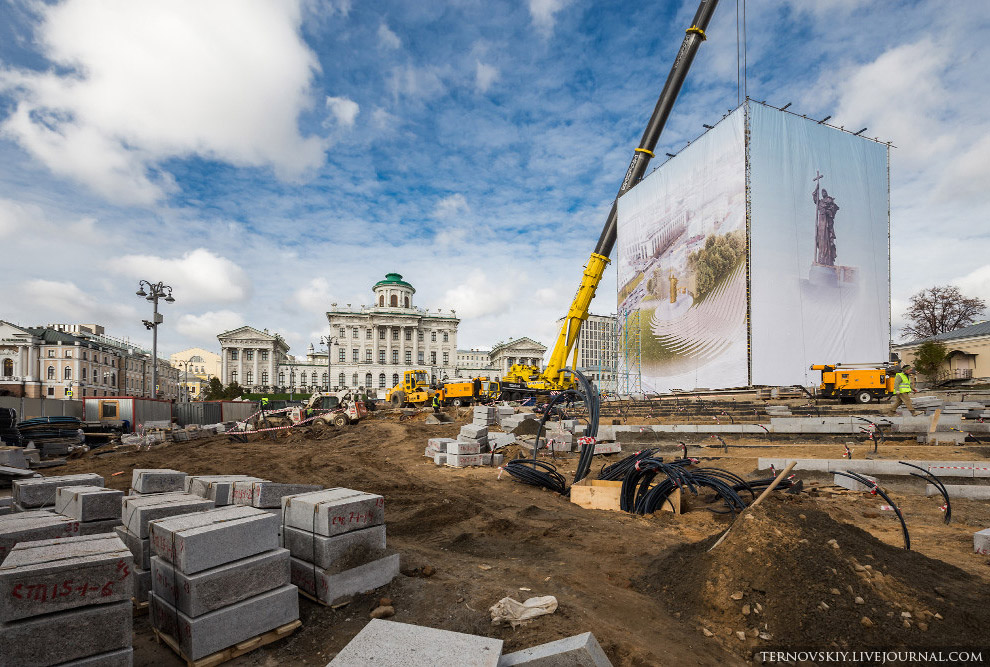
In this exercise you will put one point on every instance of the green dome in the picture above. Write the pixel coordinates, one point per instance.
(393, 279)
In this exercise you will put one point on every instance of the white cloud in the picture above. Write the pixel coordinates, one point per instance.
(387, 38)
(199, 276)
(345, 110)
(967, 174)
(411, 81)
(205, 327)
(478, 296)
(138, 83)
(26, 221)
(484, 76)
(544, 13)
(315, 296)
(451, 206)
(64, 301)
(975, 283)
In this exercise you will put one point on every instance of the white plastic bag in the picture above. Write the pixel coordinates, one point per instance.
(516, 613)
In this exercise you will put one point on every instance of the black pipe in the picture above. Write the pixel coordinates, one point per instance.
(875, 488)
(937, 483)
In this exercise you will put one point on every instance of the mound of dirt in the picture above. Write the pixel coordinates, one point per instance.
(789, 575)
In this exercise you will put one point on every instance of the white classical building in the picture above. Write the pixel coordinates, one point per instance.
(598, 350)
(252, 358)
(525, 351)
(475, 362)
(373, 345)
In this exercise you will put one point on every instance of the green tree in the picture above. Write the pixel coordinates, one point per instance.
(214, 390)
(929, 359)
(232, 391)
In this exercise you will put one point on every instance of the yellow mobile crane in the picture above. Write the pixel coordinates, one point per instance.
(522, 380)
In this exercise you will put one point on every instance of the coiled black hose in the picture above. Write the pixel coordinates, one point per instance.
(928, 476)
(537, 473)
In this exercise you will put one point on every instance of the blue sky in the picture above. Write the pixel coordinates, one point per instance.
(270, 158)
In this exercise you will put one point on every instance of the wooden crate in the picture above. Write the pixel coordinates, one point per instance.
(599, 494)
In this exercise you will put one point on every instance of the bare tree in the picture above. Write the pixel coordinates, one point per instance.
(940, 309)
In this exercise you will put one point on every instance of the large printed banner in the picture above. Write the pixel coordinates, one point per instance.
(681, 264)
(819, 234)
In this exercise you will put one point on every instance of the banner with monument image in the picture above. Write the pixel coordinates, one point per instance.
(681, 265)
(819, 247)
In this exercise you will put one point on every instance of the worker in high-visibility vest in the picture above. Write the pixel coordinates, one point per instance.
(436, 402)
(902, 390)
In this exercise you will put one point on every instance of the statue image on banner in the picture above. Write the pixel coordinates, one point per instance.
(824, 272)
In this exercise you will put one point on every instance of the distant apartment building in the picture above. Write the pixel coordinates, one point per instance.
(598, 349)
(475, 362)
(201, 363)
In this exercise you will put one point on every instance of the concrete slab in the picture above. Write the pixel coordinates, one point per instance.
(40, 491)
(192, 479)
(472, 431)
(139, 510)
(333, 511)
(157, 480)
(47, 576)
(578, 651)
(390, 643)
(200, 541)
(459, 448)
(88, 503)
(852, 484)
(57, 638)
(335, 554)
(107, 526)
(139, 547)
(331, 587)
(214, 631)
(969, 491)
(268, 495)
(440, 459)
(13, 457)
(33, 526)
(220, 491)
(465, 460)
(981, 542)
(221, 586)
(120, 658)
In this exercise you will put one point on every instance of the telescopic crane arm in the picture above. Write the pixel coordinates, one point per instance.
(595, 269)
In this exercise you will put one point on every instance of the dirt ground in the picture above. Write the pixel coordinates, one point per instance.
(486, 536)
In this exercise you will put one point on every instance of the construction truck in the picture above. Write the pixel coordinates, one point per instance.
(860, 383)
(412, 390)
(319, 410)
(467, 392)
(526, 380)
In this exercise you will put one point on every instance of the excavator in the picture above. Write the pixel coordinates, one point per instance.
(524, 380)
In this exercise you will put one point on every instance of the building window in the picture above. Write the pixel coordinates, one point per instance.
(85, 356)
(51, 354)
(406, 301)
(408, 334)
(233, 355)
(67, 373)
(393, 301)
(264, 357)
(367, 333)
(446, 358)
(419, 336)
(8, 367)
(264, 377)
(381, 302)
(395, 379)
(325, 378)
(446, 338)
(433, 336)
(356, 355)
(367, 380)
(354, 332)
(433, 358)
(67, 391)
(113, 378)
(342, 356)
(381, 380)
(249, 355)
(249, 377)
(82, 376)
(354, 380)
(381, 333)
(395, 356)
(367, 356)
(340, 380)
(281, 378)
(420, 359)
(233, 377)
(395, 333)
(343, 332)
(51, 391)
(68, 354)
(408, 356)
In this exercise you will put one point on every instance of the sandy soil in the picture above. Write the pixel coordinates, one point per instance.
(486, 537)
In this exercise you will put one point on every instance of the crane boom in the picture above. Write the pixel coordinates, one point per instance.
(553, 376)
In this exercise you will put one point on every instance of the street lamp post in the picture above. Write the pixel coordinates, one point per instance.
(292, 381)
(185, 381)
(155, 292)
(329, 341)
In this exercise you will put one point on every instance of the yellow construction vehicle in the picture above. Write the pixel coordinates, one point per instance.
(466, 392)
(523, 380)
(413, 390)
(862, 383)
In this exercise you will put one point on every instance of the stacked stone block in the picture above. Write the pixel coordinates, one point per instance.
(39, 492)
(219, 578)
(96, 509)
(218, 488)
(67, 600)
(504, 412)
(485, 415)
(337, 542)
(145, 481)
(137, 514)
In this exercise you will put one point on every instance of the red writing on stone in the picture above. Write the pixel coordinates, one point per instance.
(57, 591)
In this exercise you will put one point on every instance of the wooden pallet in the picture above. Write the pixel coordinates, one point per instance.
(235, 651)
(140, 608)
(335, 605)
